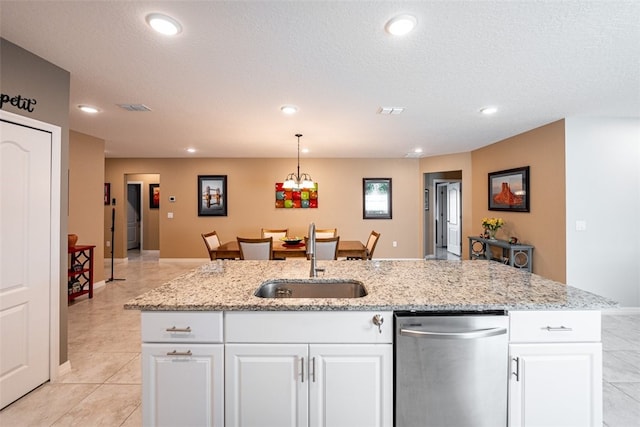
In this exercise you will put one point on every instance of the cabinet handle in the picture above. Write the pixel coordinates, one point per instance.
(378, 321)
(313, 365)
(174, 329)
(302, 369)
(557, 329)
(180, 353)
(517, 372)
(477, 333)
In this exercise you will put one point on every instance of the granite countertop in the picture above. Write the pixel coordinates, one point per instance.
(391, 285)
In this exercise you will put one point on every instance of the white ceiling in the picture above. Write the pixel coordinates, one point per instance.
(218, 86)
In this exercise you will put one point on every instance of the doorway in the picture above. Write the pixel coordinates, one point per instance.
(443, 215)
(134, 215)
(141, 226)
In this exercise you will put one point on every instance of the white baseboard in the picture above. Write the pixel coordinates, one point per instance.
(184, 260)
(65, 368)
(98, 285)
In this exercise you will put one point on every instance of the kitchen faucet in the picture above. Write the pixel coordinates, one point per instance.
(311, 251)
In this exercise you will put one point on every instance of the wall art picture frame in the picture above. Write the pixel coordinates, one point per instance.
(376, 198)
(509, 190)
(212, 195)
(107, 193)
(303, 198)
(426, 199)
(154, 196)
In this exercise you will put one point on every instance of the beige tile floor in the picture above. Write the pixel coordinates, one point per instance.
(103, 387)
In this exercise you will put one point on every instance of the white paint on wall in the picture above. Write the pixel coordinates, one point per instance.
(603, 190)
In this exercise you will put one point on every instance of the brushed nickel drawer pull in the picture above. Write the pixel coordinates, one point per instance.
(180, 353)
(174, 329)
(558, 329)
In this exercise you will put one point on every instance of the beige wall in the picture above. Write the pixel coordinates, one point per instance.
(86, 180)
(251, 201)
(24, 73)
(543, 150)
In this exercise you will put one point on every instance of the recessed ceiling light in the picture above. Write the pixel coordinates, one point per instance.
(488, 110)
(88, 109)
(417, 150)
(289, 109)
(164, 24)
(191, 150)
(401, 25)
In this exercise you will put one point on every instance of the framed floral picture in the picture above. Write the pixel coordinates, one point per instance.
(212, 195)
(509, 190)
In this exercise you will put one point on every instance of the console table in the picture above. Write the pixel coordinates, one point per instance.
(516, 255)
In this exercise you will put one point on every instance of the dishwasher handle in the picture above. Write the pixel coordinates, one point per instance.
(477, 333)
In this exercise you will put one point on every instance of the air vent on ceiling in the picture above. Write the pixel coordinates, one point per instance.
(413, 155)
(134, 107)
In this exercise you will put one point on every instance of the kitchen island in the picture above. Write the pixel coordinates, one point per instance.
(215, 354)
(391, 285)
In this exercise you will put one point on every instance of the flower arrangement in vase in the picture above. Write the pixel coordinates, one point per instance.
(491, 226)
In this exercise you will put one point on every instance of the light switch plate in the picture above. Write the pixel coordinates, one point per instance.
(581, 225)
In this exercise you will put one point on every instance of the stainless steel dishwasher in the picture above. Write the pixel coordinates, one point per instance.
(451, 369)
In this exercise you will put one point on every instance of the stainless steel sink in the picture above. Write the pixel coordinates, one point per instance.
(316, 288)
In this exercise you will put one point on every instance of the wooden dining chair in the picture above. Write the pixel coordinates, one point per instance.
(326, 248)
(212, 242)
(255, 248)
(370, 246)
(323, 233)
(276, 233)
(371, 243)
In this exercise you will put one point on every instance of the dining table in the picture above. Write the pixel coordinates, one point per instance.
(346, 248)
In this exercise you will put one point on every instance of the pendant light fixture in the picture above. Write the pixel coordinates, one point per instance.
(296, 181)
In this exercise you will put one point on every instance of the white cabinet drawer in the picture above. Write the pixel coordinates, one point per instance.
(184, 327)
(554, 326)
(308, 327)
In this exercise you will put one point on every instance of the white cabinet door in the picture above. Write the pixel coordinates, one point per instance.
(555, 384)
(266, 385)
(183, 384)
(351, 385)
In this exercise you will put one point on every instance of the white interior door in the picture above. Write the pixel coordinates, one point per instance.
(25, 259)
(454, 218)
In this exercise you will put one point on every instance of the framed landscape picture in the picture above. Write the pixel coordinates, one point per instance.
(509, 190)
(212, 195)
(376, 198)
